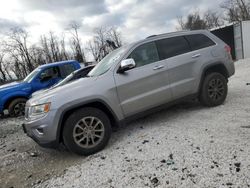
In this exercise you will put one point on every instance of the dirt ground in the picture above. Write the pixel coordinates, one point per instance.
(184, 146)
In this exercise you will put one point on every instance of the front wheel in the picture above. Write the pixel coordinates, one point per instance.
(87, 131)
(213, 90)
(17, 107)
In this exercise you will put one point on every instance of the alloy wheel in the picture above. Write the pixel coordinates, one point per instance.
(216, 89)
(88, 132)
(19, 109)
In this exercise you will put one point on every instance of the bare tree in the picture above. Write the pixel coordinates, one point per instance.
(237, 10)
(7, 71)
(212, 19)
(18, 47)
(64, 54)
(18, 57)
(93, 47)
(104, 41)
(196, 20)
(114, 38)
(45, 48)
(53, 48)
(3, 76)
(192, 22)
(76, 42)
(37, 55)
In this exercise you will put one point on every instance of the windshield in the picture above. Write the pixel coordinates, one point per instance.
(31, 75)
(105, 64)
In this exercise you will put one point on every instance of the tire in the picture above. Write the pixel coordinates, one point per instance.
(86, 131)
(17, 107)
(213, 90)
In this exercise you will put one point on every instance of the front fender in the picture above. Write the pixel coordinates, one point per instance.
(59, 117)
(13, 95)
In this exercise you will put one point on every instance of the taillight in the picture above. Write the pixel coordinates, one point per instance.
(228, 49)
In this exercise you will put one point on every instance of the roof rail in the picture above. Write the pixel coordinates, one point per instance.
(151, 36)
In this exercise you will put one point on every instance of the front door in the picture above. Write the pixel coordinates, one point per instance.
(47, 78)
(144, 86)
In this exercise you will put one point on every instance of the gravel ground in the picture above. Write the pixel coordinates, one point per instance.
(184, 146)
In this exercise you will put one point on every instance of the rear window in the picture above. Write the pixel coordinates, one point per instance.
(170, 47)
(198, 41)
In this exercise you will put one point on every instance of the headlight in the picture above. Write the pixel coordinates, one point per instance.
(38, 110)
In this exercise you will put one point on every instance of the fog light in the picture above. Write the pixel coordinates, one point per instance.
(40, 131)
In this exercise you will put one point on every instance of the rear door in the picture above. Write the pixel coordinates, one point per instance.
(143, 87)
(181, 64)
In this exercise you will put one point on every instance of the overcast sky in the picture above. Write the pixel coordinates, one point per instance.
(136, 19)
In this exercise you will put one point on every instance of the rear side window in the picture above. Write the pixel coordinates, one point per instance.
(145, 54)
(67, 69)
(171, 47)
(198, 41)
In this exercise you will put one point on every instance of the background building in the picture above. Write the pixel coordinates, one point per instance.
(237, 36)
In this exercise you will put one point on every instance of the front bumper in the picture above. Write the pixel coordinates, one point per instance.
(1, 109)
(43, 131)
(49, 144)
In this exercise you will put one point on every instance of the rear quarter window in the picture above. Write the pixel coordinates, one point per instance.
(199, 41)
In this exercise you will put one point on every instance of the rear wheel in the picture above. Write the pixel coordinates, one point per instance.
(86, 131)
(214, 90)
(17, 107)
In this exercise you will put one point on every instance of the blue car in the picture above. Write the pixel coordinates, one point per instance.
(13, 96)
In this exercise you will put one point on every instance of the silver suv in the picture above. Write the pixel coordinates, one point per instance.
(127, 83)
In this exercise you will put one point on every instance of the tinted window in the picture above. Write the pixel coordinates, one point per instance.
(68, 68)
(52, 72)
(199, 41)
(172, 47)
(145, 54)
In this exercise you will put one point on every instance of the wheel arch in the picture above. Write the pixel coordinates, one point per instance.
(215, 67)
(11, 98)
(99, 104)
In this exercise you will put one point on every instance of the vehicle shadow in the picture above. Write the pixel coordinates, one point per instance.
(154, 119)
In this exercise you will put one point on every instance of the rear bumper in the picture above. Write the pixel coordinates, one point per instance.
(230, 68)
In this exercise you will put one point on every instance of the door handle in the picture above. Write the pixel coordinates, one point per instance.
(158, 67)
(196, 55)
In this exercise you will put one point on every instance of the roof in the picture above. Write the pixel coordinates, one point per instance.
(223, 26)
(171, 34)
(57, 63)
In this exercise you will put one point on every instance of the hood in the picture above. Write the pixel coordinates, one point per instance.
(48, 95)
(9, 85)
(14, 85)
(39, 92)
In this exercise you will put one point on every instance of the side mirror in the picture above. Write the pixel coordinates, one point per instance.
(126, 64)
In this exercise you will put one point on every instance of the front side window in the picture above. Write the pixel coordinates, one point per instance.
(145, 54)
(199, 41)
(171, 47)
(50, 73)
